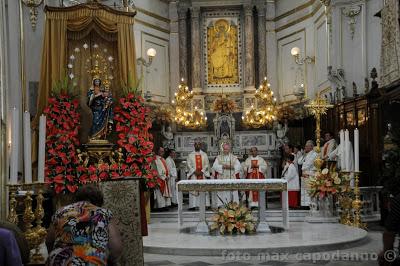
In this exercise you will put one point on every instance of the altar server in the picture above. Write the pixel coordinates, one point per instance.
(308, 169)
(293, 185)
(162, 194)
(170, 157)
(199, 168)
(329, 146)
(255, 168)
(227, 166)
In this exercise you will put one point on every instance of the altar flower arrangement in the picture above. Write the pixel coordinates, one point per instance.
(233, 218)
(224, 105)
(328, 182)
(134, 140)
(62, 141)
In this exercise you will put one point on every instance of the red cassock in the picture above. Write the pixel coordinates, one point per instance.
(255, 174)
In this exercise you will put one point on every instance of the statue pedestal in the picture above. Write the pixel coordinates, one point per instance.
(99, 150)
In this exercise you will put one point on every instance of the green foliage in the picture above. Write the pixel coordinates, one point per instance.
(63, 86)
(135, 89)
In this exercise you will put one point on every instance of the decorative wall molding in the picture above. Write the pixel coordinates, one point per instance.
(351, 13)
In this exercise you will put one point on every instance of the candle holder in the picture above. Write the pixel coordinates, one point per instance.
(39, 232)
(12, 213)
(345, 201)
(357, 203)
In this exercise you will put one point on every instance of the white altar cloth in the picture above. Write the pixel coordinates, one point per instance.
(262, 185)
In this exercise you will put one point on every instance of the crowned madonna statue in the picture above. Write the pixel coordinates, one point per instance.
(100, 102)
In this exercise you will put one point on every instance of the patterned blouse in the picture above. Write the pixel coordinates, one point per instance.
(81, 235)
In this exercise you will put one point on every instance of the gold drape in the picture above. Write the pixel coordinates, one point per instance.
(75, 19)
(78, 18)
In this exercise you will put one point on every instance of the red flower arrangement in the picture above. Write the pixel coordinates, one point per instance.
(62, 126)
(133, 123)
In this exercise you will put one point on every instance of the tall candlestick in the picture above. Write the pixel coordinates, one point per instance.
(356, 151)
(347, 149)
(27, 148)
(14, 147)
(42, 148)
(341, 150)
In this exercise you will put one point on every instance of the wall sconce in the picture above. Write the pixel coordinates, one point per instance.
(151, 53)
(33, 5)
(300, 61)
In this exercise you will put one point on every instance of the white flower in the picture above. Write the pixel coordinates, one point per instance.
(325, 171)
(71, 76)
(111, 77)
(72, 57)
(77, 50)
(337, 181)
(105, 50)
(95, 46)
(69, 65)
(85, 46)
(110, 58)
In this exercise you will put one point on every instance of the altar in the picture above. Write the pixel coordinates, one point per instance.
(213, 185)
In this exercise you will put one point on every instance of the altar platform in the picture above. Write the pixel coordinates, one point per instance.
(167, 238)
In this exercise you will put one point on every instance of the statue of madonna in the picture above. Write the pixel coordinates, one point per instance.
(100, 101)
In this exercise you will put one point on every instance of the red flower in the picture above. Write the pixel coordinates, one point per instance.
(72, 188)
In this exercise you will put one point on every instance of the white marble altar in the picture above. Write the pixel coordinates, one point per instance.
(212, 185)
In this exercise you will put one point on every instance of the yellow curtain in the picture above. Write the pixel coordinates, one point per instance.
(78, 18)
(55, 44)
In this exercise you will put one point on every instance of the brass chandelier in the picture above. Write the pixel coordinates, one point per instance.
(265, 111)
(184, 114)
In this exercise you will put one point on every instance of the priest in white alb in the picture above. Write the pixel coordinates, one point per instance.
(226, 166)
(329, 145)
(199, 168)
(162, 194)
(173, 173)
(308, 169)
(255, 168)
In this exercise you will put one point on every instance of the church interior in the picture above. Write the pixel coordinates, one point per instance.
(199, 132)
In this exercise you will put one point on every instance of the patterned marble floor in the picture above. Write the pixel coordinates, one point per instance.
(365, 253)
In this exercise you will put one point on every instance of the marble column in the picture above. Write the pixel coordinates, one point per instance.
(196, 49)
(262, 56)
(182, 29)
(249, 46)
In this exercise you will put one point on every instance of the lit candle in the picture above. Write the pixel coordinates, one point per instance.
(42, 148)
(14, 147)
(356, 151)
(347, 149)
(341, 150)
(27, 148)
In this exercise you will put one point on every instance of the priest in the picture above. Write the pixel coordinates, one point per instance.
(170, 157)
(227, 166)
(162, 194)
(255, 168)
(329, 146)
(308, 169)
(199, 168)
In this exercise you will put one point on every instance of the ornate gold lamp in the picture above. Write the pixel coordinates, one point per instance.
(33, 5)
(183, 115)
(266, 110)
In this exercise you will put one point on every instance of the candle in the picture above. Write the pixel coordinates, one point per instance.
(42, 148)
(356, 151)
(347, 149)
(27, 148)
(14, 147)
(341, 150)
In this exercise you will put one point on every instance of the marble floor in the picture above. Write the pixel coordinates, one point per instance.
(340, 246)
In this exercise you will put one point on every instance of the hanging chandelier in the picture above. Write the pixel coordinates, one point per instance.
(265, 111)
(185, 114)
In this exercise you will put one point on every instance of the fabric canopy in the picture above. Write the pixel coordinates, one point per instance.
(79, 18)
